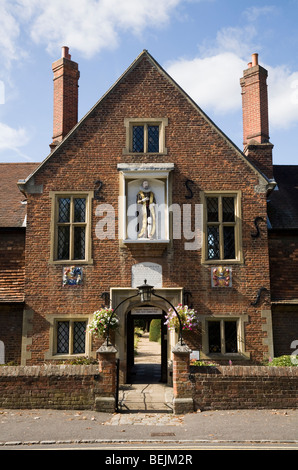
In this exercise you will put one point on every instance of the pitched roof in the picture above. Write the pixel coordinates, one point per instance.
(283, 201)
(12, 211)
(145, 54)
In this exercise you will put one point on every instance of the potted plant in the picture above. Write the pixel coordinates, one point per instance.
(101, 318)
(188, 317)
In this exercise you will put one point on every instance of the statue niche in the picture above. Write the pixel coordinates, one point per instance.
(146, 209)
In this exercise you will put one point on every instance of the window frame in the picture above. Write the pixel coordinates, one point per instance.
(71, 323)
(237, 224)
(55, 196)
(223, 344)
(241, 352)
(53, 320)
(129, 123)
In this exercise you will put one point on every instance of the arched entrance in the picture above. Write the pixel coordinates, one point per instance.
(128, 300)
(147, 363)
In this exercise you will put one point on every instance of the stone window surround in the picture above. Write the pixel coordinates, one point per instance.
(53, 322)
(130, 122)
(54, 195)
(238, 227)
(240, 319)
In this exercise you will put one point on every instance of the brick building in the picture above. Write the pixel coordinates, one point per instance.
(220, 232)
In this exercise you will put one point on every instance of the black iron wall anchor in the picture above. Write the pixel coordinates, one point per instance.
(98, 187)
(190, 195)
(256, 222)
(262, 289)
(106, 298)
(186, 298)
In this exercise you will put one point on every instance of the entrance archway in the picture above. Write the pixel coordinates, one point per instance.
(151, 365)
(122, 296)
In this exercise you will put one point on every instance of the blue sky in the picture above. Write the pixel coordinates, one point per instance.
(204, 44)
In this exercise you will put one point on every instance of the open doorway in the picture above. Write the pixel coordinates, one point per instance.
(146, 346)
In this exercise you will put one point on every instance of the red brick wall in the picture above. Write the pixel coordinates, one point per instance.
(92, 152)
(239, 387)
(53, 387)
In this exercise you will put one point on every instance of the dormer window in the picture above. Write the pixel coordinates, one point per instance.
(145, 135)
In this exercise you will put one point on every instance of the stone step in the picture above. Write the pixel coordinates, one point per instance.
(150, 397)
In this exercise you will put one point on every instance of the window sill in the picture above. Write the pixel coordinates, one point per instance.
(222, 262)
(144, 241)
(70, 262)
(146, 154)
(230, 356)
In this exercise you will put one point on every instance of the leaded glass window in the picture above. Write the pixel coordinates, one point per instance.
(153, 139)
(71, 337)
(63, 337)
(221, 224)
(222, 336)
(79, 337)
(138, 139)
(71, 227)
(145, 138)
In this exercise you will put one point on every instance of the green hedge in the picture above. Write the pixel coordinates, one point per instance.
(154, 330)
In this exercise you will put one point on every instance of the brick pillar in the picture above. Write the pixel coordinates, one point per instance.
(182, 386)
(107, 371)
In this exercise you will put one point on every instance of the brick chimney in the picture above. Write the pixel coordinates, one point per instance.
(66, 77)
(256, 142)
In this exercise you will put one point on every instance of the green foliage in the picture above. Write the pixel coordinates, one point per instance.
(202, 363)
(79, 360)
(283, 361)
(138, 331)
(154, 330)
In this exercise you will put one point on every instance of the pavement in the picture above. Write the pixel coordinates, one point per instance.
(145, 418)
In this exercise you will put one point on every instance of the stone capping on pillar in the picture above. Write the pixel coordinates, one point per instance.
(181, 349)
(106, 349)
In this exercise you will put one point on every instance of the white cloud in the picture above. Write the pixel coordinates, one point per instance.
(91, 25)
(283, 97)
(13, 139)
(253, 13)
(212, 79)
(213, 82)
(9, 33)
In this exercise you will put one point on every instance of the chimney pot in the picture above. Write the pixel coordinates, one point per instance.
(65, 53)
(254, 59)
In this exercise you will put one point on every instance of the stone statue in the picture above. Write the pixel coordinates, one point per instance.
(146, 198)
